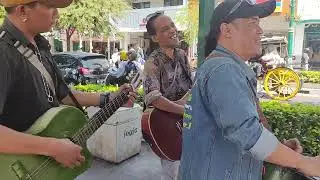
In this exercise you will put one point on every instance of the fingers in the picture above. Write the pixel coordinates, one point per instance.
(124, 86)
(297, 142)
(81, 158)
(75, 162)
(294, 144)
(133, 95)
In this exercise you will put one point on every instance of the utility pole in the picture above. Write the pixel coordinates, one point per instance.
(205, 13)
(291, 31)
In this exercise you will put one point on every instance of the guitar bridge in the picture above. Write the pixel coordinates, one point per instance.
(20, 171)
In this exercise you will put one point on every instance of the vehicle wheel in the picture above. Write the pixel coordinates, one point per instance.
(282, 83)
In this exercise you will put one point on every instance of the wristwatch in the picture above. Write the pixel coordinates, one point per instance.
(104, 99)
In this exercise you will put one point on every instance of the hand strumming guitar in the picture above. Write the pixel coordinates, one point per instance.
(184, 99)
(132, 95)
(294, 144)
(65, 152)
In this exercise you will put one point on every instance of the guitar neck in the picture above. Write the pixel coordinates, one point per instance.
(100, 118)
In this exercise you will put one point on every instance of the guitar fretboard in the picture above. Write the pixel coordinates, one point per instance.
(100, 118)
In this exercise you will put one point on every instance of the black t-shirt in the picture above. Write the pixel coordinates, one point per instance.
(22, 92)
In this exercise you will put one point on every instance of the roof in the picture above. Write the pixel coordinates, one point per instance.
(79, 54)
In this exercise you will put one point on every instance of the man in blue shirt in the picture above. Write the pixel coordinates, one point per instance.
(223, 136)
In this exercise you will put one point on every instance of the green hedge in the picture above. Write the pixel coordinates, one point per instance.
(106, 88)
(96, 88)
(288, 120)
(295, 120)
(310, 76)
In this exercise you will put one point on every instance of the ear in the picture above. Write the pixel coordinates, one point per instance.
(155, 38)
(22, 12)
(225, 30)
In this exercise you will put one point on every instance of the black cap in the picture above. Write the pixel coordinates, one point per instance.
(245, 10)
(222, 14)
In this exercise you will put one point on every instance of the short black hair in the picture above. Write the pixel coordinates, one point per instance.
(150, 22)
(10, 10)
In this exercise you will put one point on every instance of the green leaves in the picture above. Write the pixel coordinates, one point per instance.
(107, 88)
(96, 88)
(189, 18)
(2, 14)
(295, 120)
(310, 76)
(92, 17)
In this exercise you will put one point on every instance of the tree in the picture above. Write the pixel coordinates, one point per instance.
(188, 17)
(2, 14)
(91, 17)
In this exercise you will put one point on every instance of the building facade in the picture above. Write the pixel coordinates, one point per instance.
(133, 31)
(307, 30)
(133, 25)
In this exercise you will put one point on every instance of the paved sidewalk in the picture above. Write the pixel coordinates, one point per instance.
(144, 166)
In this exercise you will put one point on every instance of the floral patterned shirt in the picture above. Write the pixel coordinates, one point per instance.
(163, 76)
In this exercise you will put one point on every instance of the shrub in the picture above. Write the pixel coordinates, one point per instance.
(107, 88)
(310, 76)
(96, 88)
(295, 120)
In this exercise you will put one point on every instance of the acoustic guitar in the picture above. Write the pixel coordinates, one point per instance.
(275, 172)
(163, 132)
(60, 122)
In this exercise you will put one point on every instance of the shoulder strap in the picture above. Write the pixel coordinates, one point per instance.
(34, 60)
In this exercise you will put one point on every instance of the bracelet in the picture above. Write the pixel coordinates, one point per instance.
(104, 99)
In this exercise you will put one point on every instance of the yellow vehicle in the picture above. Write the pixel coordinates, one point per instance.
(282, 83)
(279, 81)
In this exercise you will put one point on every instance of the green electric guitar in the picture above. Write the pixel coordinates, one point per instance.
(60, 122)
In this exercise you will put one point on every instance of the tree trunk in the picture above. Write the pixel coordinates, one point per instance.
(80, 42)
(69, 33)
(91, 44)
(68, 43)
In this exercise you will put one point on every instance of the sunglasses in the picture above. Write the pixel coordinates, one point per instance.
(238, 5)
(155, 14)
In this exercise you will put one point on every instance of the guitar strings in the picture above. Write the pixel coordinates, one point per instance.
(99, 114)
(78, 135)
(49, 160)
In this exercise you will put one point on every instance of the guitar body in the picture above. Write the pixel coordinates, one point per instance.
(60, 122)
(162, 130)
(274, 172)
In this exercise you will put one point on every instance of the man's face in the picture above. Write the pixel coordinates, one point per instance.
(246, 36)
(41, 18)
(166, 32)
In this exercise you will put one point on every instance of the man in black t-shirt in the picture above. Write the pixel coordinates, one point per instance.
(24, 92)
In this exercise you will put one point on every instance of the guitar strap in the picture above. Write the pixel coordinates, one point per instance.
(32, 58)
(29, 55)
(262, 118)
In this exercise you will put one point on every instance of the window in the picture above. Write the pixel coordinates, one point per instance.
(173, 2)
(141, 5)
(146, 4)
(136, 5)
(64, 60)
(92, 62)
